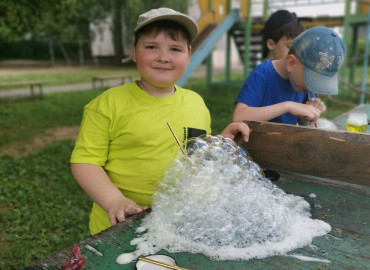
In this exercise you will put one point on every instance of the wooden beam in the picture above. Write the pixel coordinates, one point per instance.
(332, 154)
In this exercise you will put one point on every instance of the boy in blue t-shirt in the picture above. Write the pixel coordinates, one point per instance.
(279, 90)
(278, 34)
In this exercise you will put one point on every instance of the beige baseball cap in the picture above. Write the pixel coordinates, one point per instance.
(168, 14)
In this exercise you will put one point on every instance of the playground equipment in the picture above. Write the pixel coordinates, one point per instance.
(219, 18)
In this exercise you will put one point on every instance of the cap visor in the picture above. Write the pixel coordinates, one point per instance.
(319, 83)
(189, 25)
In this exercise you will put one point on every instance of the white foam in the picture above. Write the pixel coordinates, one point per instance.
(222, 206)
(126, 258)
(323, 123)
(357, 119)
(309, 259)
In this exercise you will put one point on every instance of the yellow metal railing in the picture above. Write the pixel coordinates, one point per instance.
(214, 11)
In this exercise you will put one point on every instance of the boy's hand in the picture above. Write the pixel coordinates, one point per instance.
(308, 111)
(317, 103)
(234, 128)
(122, 209)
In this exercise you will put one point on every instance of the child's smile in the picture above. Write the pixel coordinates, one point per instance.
(161, 61)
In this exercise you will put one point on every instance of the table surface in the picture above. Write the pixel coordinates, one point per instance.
(340, 121)
(346, 246)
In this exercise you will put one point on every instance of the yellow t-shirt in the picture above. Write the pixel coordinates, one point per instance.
(125, 131)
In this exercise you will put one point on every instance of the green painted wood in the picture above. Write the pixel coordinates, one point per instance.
(347, 246)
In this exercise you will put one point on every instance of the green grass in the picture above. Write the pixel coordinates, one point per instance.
(42, 209)
(220, 102)
(71, 76)
(21, 120)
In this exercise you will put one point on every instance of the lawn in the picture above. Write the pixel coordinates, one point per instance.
(42, 209)
(60, 76)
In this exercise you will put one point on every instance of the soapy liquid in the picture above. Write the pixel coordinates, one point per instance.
(355, 128)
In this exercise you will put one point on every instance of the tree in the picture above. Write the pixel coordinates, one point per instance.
(19, 17)
(69, 20)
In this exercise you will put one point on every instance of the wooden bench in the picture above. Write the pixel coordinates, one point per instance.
(101, 79)
(31, 84)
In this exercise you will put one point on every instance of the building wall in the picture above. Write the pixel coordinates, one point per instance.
(102, 44)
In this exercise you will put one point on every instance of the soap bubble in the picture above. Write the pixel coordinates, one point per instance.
(218, 202)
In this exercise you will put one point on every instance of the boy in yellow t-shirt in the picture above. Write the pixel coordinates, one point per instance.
(124, 144)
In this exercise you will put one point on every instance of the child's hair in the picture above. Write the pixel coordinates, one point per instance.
(172, 28)
(292, 51)
(281, 23)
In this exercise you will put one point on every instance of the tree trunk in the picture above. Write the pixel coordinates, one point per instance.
(117, 29)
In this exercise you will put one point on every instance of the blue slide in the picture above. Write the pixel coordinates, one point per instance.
(208, 45)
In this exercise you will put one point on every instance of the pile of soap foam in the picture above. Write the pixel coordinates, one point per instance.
(323, 123)
(218, 203)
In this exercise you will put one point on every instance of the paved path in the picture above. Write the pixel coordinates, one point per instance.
(24, 92)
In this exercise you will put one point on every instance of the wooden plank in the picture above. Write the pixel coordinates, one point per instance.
(337, 155)
(346, 246)
(123, 78)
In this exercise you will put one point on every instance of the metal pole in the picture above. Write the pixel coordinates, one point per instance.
(51, 51)
(366, 54)
(228, 57)
(347, 14)
(80, 51)
(247, 39)
(228, 48)
(209, 71)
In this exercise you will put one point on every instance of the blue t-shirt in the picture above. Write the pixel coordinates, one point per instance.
(265, 87)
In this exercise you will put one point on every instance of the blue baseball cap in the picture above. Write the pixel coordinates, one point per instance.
(322, 52)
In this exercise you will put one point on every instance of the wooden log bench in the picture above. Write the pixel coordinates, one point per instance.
(102, 79)
(31, 84)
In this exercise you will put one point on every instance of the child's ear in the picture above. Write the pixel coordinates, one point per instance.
(270, 44)
(290, 61)
(133, 57)
(189, 53)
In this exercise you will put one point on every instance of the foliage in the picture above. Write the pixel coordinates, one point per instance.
(19, 17)
(66, 18)
(60, 21)
(39, 50)
(42, 209)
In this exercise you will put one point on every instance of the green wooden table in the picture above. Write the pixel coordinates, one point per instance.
(345, 207)
(340, 121)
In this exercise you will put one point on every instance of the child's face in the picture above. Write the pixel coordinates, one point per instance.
(295, 71)
(161, 61)
(280, 49)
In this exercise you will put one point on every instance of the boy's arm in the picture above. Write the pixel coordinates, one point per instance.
(96, 183)
(244, 112)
